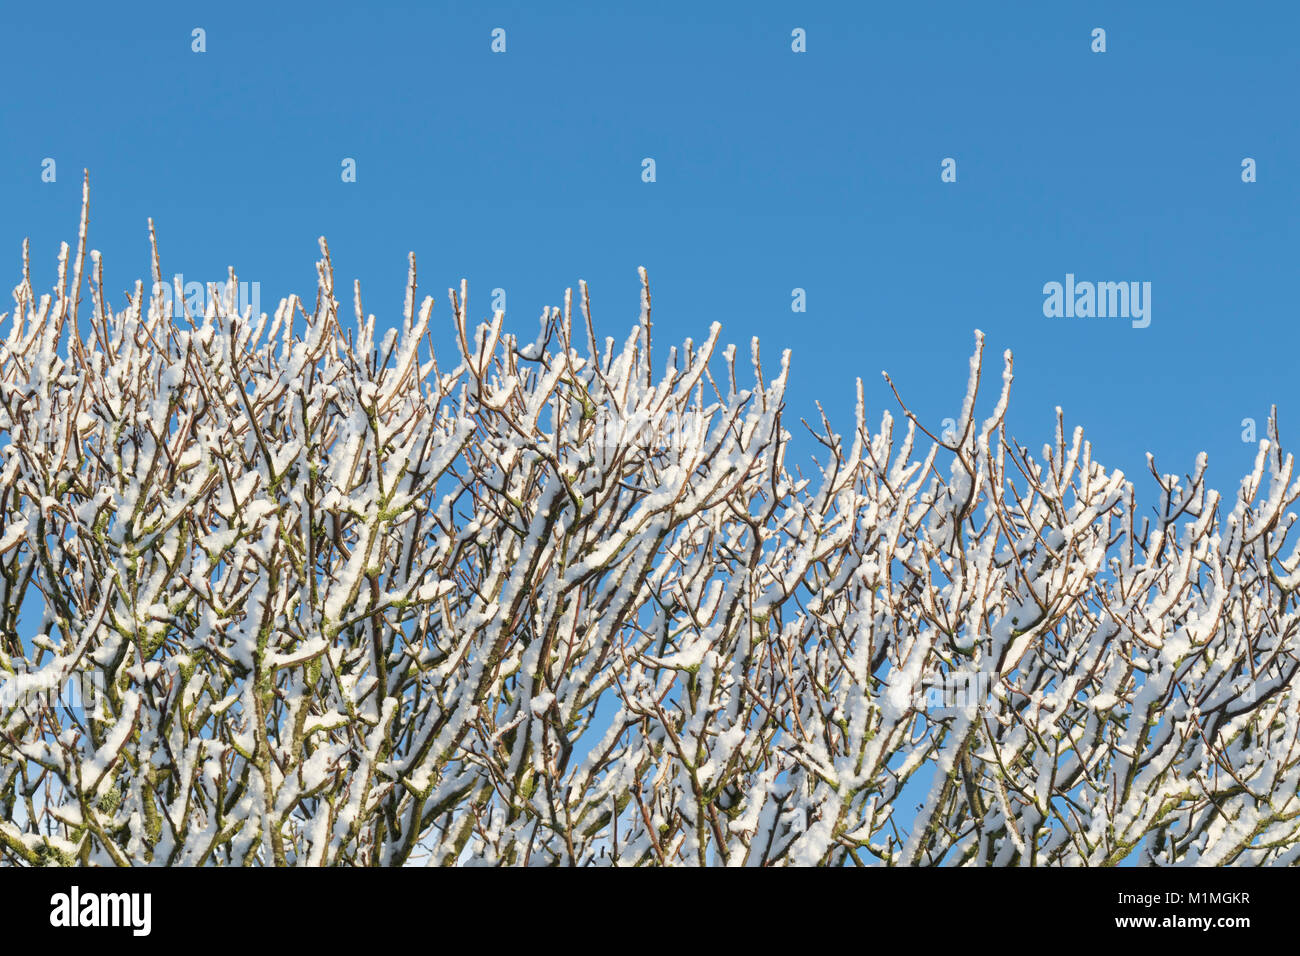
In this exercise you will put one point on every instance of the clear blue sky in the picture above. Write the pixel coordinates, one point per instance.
(775, 170)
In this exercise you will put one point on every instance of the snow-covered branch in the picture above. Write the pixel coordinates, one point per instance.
(345, 602)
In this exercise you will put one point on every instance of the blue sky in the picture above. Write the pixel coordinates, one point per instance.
(775, 170)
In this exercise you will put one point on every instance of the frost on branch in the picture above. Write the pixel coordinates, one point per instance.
(565, 601)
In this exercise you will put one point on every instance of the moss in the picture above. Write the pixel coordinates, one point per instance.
(110, 800)
(48, 855)
(150, 643)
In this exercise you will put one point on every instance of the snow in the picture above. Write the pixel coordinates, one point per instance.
(374, 587)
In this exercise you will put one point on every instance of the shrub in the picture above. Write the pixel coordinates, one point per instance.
(559, 602)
